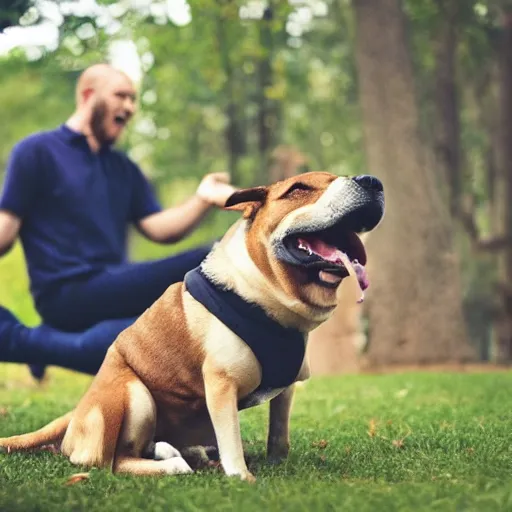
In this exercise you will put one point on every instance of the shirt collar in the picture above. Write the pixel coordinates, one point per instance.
(73, 137)
(70, 135)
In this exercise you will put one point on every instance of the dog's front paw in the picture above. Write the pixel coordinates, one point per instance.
(164, 451)
(175, 466)
(243, 474)
(247, 476)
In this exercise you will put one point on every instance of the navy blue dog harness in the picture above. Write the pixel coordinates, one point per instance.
(279, 350)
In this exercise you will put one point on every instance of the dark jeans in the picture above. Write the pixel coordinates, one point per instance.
(122, 291)
(83, 319)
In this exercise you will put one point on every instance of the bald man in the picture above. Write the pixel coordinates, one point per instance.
(70, 197)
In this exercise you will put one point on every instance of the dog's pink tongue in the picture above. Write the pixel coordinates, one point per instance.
(333, 254)
(325, 251)
(355, 269)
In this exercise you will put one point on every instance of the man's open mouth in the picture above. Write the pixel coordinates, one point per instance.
(328, 256)
(121, 120)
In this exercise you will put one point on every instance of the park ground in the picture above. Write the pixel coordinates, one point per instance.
(402, 441)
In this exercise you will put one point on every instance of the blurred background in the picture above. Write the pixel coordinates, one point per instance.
(416, 92)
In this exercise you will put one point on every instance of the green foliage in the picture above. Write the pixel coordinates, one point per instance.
(362, 443)
(201, 96)
(193, 74)
(11, 11)
(35, 96)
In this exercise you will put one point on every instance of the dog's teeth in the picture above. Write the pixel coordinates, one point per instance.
(304, 247)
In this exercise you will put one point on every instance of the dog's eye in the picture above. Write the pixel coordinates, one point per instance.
(297, 188)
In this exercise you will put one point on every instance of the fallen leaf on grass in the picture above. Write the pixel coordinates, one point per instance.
(77, 477)
(322, 444)
(4, 411)
(372, 428)
(398, 443)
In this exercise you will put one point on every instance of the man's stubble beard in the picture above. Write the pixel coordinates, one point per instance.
(98, 119)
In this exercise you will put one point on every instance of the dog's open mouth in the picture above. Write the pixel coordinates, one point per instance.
(328, 256)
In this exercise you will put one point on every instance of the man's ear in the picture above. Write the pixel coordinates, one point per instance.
(87, 94)
(248, 201)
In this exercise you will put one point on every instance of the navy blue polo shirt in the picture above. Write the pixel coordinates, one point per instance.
(75, 205)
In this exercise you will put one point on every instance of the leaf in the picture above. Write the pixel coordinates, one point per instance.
(372, 428)
(322, 444)
(76, 478)
(398, 443)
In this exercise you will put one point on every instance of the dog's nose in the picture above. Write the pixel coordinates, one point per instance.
(369, 182)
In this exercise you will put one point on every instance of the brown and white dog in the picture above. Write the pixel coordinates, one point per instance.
(178, 376)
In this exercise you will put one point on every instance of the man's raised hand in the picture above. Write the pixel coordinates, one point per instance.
(215, 188)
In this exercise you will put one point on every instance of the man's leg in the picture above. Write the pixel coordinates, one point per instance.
(83, 352)
(124, 291)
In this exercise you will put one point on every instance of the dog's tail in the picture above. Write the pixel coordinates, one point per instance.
(51, 433)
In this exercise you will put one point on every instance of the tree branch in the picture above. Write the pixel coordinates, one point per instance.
(467, 218)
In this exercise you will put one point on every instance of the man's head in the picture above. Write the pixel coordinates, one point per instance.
(106, 98)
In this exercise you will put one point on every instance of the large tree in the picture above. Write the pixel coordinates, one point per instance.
(415, 313)
(503, 190)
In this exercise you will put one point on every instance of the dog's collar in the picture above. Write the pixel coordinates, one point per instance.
(279, 350)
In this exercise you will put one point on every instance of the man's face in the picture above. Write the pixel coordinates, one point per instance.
(113, 106)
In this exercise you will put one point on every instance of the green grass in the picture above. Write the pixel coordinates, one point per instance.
(438, 441)
(391, 442)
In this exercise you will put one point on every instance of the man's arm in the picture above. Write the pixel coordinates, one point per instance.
(9, 229)
(174, 223)
(21, 187)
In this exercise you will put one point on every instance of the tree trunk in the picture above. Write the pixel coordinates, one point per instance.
(502, 349)
(415, 312)
(447, 133)
(334, 347)
(234, 133)
(269, 110)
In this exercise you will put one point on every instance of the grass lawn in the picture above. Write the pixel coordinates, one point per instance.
(433, 441)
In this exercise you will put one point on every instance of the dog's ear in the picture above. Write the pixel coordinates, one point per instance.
(248, 201)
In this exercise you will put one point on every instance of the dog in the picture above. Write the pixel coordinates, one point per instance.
(231, 336)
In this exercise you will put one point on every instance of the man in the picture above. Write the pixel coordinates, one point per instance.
(70, 197)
